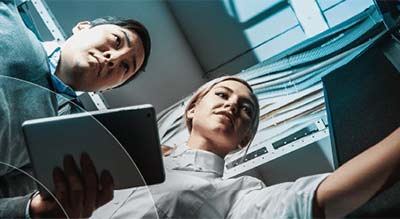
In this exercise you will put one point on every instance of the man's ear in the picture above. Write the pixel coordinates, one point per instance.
(81, 26)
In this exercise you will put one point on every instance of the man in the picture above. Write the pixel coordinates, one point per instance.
(100, 55)
(104, 46)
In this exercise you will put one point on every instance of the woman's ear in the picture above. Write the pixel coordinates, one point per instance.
(245, 140)
(81, 26)
(190, 113)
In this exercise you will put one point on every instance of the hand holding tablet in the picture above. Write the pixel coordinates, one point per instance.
(122, 141)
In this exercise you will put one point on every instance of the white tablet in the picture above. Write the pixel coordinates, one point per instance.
(124, 141)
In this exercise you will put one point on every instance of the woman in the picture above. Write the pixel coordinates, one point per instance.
(222, 116)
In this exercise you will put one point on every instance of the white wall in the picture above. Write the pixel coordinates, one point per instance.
(172, 71)
(216, 37)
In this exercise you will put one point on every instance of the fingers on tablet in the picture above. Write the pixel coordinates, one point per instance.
(76, 190)
(80, 192)
(90, 182)
(106, 192)
(61, 187)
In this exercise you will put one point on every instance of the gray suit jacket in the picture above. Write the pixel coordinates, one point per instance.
(25, 93)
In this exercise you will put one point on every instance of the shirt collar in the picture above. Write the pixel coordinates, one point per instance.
(198, 160)
(53, 51)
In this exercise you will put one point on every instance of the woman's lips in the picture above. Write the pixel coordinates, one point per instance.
(228, 116)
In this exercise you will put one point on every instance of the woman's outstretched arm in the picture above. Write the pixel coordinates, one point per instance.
(356, 181)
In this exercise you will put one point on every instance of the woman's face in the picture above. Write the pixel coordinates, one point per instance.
(224, 116)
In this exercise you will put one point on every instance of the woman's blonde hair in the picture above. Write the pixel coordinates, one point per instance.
(203, 90)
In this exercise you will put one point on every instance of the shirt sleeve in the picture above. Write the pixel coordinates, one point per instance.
(14, 207)
(27, 214)
(284, 200)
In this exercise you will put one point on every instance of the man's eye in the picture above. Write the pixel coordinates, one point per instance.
(117, 40)
(125, 66)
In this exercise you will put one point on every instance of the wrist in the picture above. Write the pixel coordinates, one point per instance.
(28, 206)
(35, 206)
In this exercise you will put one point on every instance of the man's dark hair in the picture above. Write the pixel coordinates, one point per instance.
(133, 26)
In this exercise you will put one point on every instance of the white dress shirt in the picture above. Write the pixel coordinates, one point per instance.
(194, 189)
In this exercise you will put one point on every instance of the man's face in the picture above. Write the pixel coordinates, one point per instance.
(99, 58)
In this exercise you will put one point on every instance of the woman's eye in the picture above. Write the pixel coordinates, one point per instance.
(247, 109)
(117, 40)
(222, 95)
